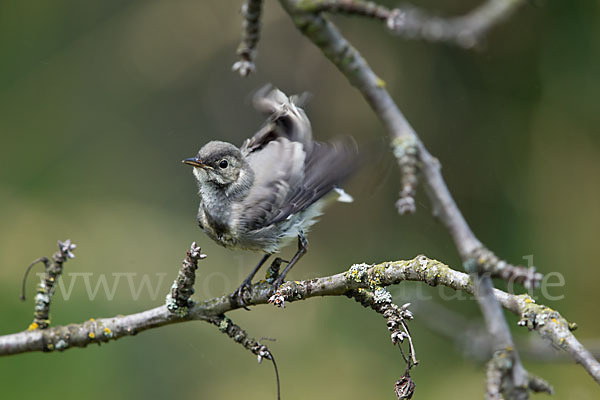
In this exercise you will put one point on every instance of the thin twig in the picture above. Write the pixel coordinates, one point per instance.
(43, 260)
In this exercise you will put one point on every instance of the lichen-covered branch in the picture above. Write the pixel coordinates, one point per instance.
(498, 367)
(407, 153)
(552, 326)
(178, 300)
(251, 11)
(415, 23)
(471, 339)
(484, 261)
(548, 323)
(349, 61)
(45, 289)
(228, 327)
(380, 300)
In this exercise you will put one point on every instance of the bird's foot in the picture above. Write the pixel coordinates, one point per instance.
(277, 283)
(238, 295)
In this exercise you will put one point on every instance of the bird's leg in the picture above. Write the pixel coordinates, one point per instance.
(302, 249)
(273, 271)
(238, 294)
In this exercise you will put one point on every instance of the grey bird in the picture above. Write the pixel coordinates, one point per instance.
(269, 191)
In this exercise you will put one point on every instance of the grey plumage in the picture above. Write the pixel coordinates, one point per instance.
(272, 188)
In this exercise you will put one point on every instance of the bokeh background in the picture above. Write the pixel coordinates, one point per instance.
(100, 100)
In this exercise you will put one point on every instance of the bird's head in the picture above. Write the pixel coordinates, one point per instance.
(217, 162)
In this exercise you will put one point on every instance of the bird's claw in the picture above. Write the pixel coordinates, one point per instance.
(277, 284)
(238, 295)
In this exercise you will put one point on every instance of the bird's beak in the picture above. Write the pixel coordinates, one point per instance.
(194, 162)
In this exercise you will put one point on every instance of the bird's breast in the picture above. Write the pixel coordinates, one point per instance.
(218, 228)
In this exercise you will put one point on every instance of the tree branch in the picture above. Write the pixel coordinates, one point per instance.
(178, 300)
(251, 11)
(472, 339)
(348, 60)
(548, 323)
(411, 22)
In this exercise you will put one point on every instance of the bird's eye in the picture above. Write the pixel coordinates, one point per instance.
(223, 164)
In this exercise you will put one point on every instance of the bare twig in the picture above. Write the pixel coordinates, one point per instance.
(45, 290)
(367, 9)
(251, 11)
(414, 23)
(555, 328)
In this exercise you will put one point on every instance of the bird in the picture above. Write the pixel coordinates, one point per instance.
(271, 190)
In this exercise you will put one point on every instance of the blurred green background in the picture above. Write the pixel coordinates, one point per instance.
(100, 101)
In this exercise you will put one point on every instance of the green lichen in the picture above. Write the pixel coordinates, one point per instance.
(380, 83)
(307, 5)
(381, 295)
(174, 308)
(61, 345)
(470, 265)
(356, 272)
(537, 316)
(224, 324)
(376, 276)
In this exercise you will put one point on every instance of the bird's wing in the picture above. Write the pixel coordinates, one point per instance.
(278, 169)
(291, 170)
(288, 179)
(326, 166)
(286, 120)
